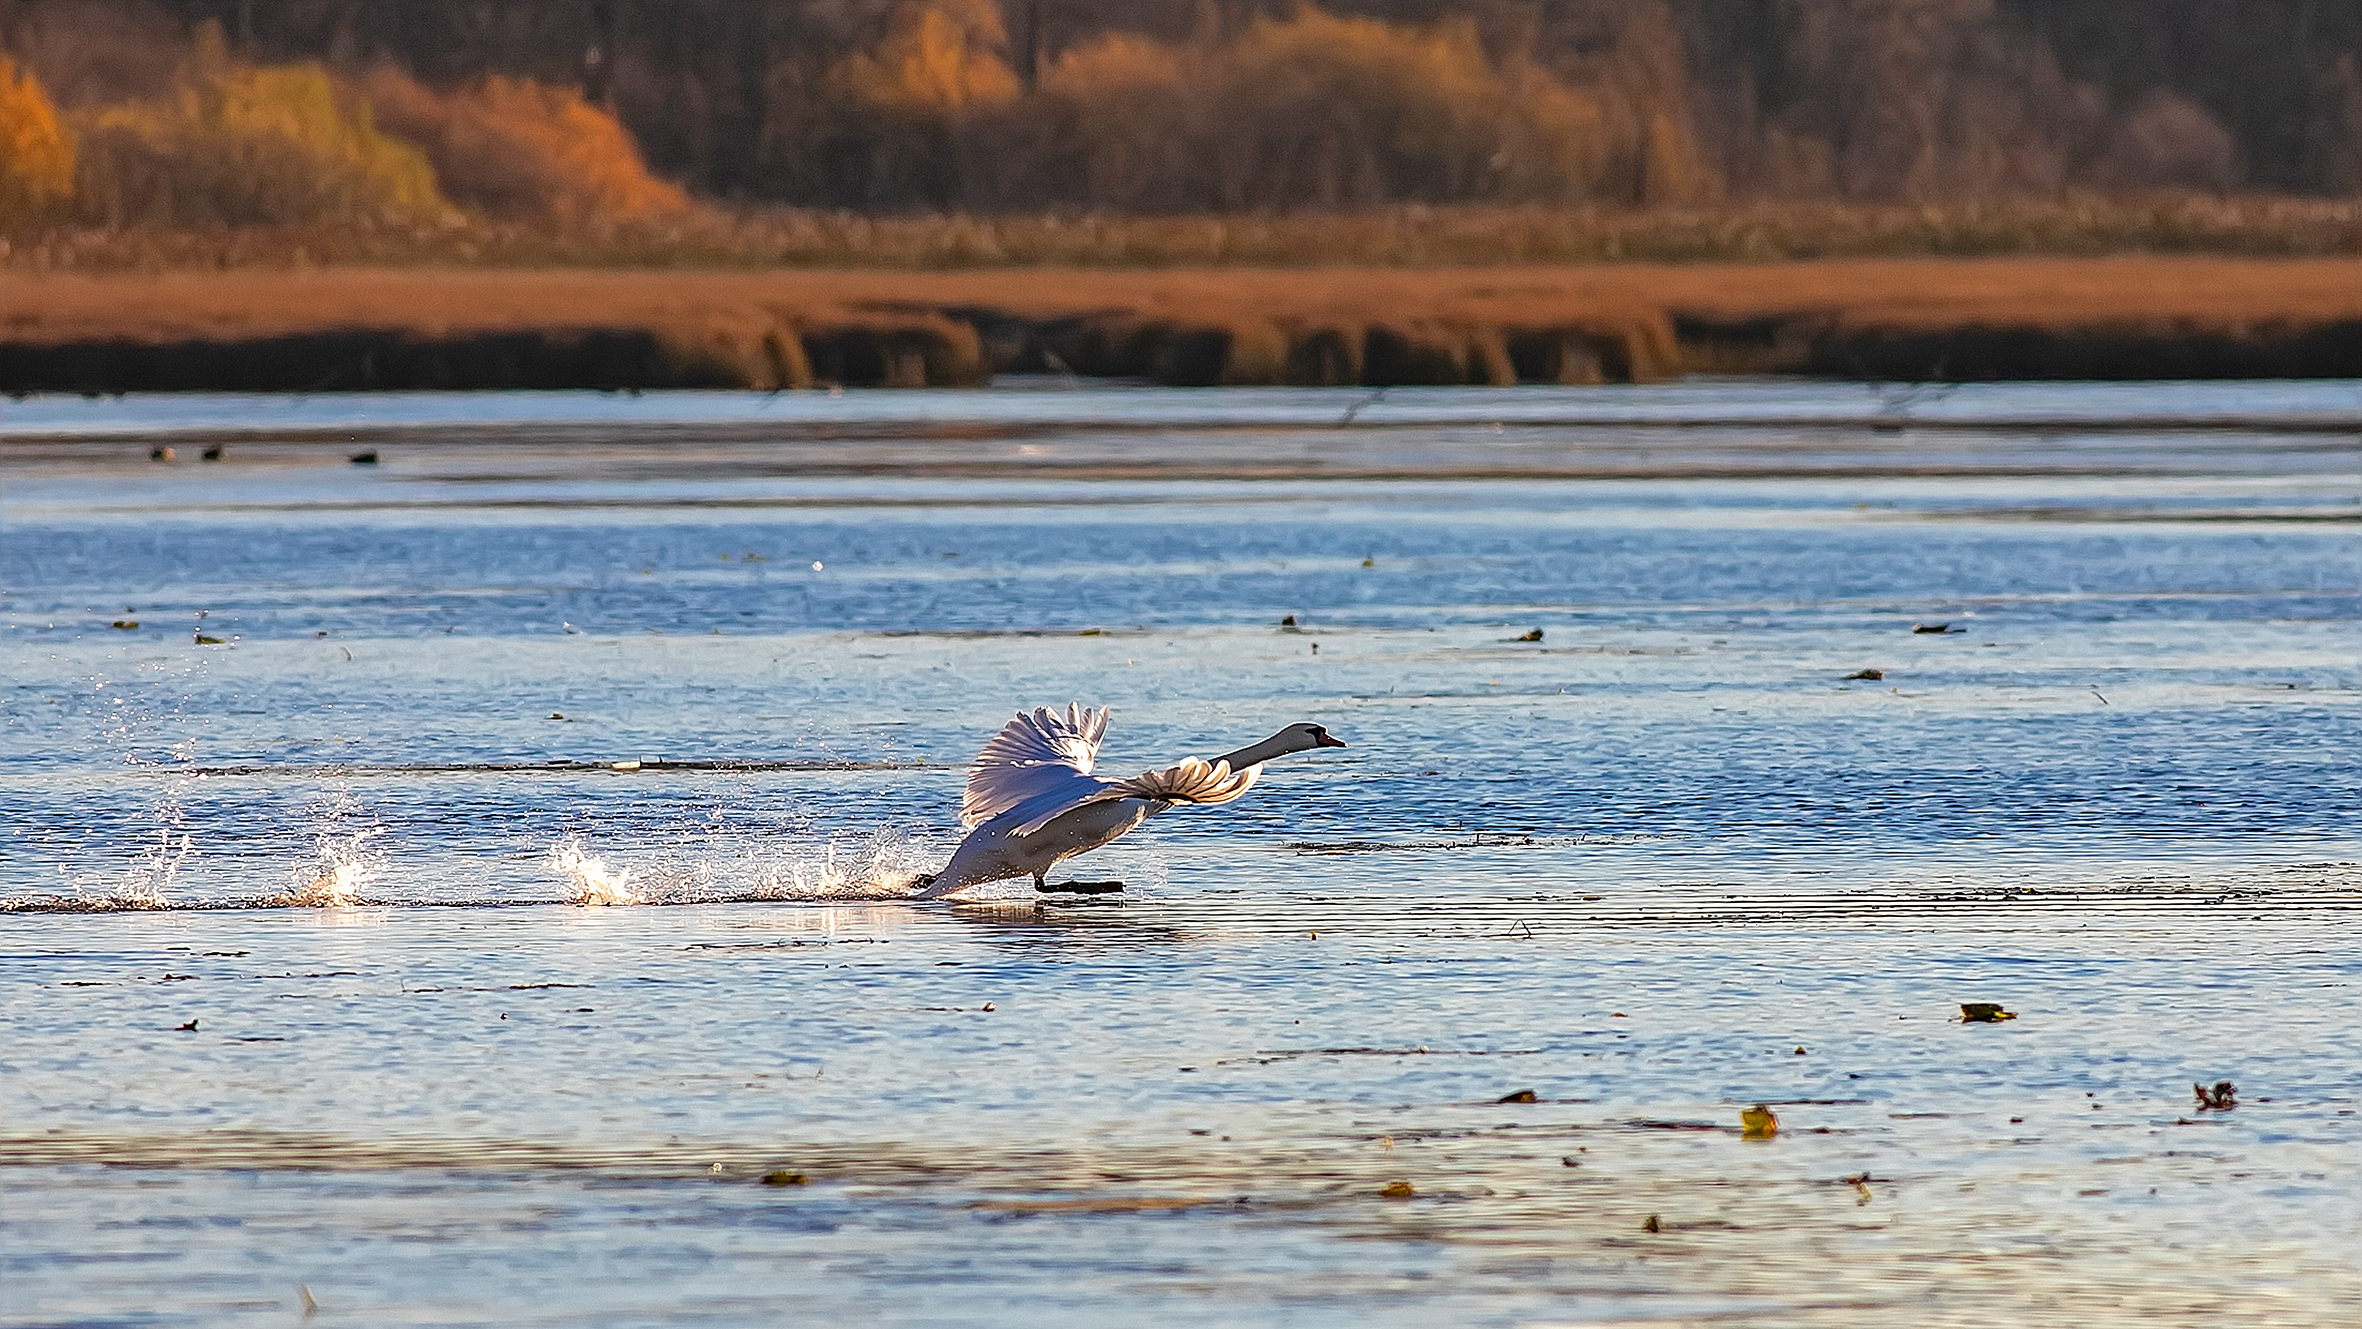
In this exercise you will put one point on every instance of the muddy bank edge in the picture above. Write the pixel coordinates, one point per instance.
(362, 330)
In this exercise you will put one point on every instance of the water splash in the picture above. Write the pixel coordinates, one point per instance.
(878, 869)
(148, 882)
(875, 867)
(343, 865)
(592, 881)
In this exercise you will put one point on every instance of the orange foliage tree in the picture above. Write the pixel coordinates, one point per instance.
(1307, 111)
(36, 154)
(894, 125)
(520, 150)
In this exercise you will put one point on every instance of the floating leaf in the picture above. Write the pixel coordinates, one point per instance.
(1758, 1123)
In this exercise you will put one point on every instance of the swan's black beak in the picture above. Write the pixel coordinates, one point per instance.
(1322, 740)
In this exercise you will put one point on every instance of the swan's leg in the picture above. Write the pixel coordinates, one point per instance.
(1082, 888)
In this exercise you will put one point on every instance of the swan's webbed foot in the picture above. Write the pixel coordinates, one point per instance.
(1080, 888)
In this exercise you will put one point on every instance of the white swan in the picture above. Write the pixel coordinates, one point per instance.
(1033, 803)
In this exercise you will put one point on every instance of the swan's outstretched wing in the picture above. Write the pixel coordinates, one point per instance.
(1195, 780)
(1033, 756)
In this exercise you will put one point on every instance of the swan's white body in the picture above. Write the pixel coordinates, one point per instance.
(1032, 801)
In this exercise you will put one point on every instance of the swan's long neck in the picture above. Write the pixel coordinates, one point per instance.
(1278, 745)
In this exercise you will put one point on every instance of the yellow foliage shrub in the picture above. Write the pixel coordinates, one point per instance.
(896, 125)
(239, 145)
(1308, 110)
(36, 155)
(937, 58)
(513, 148)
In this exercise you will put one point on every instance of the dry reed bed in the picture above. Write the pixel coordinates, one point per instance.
(1411, 237)
(328, 328)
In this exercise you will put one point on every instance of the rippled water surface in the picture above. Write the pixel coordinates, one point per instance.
(441, 889)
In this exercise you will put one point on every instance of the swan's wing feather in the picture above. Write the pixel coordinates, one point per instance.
(1194, 780)
(1033, 755)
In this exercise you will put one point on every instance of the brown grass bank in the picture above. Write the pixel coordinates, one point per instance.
(2073, 225)
(321, 329)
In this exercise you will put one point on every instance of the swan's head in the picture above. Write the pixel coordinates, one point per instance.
(1296, 738)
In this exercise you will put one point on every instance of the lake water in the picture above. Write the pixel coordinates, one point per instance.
(440, 890)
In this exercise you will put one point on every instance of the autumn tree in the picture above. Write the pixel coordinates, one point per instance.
(36, 154)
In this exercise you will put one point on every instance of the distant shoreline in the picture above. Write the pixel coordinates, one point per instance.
(327, 329)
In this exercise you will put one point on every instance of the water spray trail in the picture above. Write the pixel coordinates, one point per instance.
(592, 881)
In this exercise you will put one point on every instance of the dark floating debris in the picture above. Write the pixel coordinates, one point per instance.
(191, 1027)
(213, 453)
(1399, 1190)
(1534, 635)
(368, 458)
(1081, 888)
(1935, 628)
(1651, 1224)
(125, 625)
(2222, 1098)
(1288, 622)
(786, 1179)
(203, 640)
(162, 453)
(1867, 675)
(1984, 1012)
(1521, 1096)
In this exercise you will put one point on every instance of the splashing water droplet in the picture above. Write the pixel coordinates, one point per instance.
(593, 882)
(344, 864)
(150, 877)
